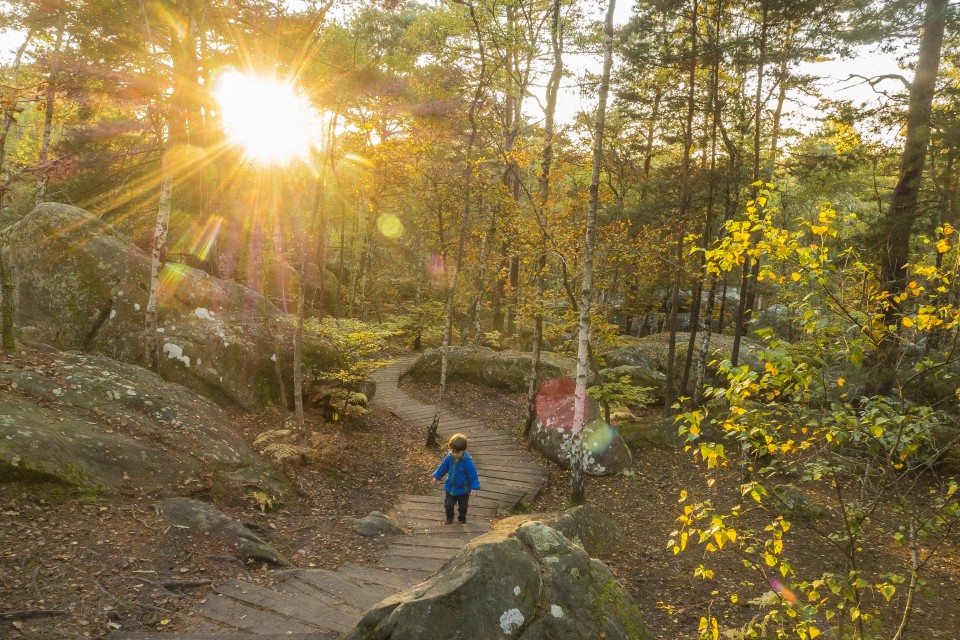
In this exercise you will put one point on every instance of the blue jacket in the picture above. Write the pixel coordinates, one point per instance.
(461, 474)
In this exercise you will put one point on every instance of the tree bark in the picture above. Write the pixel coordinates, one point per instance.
(43, 177)
(577, 494)
(464, 226)
(903, 211)
(553, 86)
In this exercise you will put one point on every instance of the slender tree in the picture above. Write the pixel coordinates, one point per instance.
(577, 494)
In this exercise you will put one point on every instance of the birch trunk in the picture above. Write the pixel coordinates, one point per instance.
(577, 495)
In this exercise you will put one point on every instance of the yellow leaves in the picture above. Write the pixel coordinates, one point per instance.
(709, 628)
(942, 245)
(818, 230)
(796, 276)
(887, 590)
(840, 383)
(907, 322)
(772, 370)
(770, 559)
(683, 495)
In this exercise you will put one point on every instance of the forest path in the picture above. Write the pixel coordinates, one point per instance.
(319, 604)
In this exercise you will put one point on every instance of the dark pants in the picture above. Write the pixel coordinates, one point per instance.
(461, 502)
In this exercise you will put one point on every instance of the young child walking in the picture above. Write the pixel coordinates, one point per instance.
(462, 480)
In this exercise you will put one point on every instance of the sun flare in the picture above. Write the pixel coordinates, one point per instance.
(265, 116)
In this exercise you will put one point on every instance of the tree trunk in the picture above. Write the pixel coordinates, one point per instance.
(43, 177)
(553, 86)
(464, 226)
(669, 390)
(897, 224)
(577, 495)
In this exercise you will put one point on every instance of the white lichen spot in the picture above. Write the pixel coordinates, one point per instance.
(176, 352)
(273, 358)
(160, 329)
(203, 314)
(516, 590)
(113, 313)
(551, 559)
(131, 392)
(136, 306)
(556, 611)
(58, 392)
(511, 620)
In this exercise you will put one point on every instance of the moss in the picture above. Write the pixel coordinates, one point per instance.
(69, 482)
(612, 603)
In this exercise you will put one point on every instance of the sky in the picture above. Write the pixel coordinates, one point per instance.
(570, 102)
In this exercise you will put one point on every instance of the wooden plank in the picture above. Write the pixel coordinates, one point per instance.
(302, 607)
(239, 616)
(423, 552)
(437, 540)
(341, 586)
(433, 500)
(399, 562)
(398, 580)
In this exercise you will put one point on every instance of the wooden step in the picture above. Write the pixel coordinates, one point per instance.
(344, 588)
(400, 562)
(302, 607)
(423, 552)
(394, 579)
(236, 615)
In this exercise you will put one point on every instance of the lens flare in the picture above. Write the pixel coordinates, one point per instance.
(390, 226)
(266, 116)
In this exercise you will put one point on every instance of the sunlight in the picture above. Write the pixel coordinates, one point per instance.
(267, 117)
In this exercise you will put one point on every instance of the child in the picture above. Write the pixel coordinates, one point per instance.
(462, 481)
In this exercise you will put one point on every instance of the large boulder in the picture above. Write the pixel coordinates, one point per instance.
(602, 449)
(650, 353)
(508, 370)
(81, 286)
(195, 516)
(96, 424)
(584, 526)
(529, 583)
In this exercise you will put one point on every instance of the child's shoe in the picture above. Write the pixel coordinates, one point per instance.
(462, 520)
(448, 521)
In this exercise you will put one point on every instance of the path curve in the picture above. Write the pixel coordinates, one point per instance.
(319, 604)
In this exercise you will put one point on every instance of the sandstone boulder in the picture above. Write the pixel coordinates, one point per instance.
(603, 450)
(481, 365)
(96, 424)
(375, 524)
(81, 286)
(199, 517)
(584, 526)
(529, 583)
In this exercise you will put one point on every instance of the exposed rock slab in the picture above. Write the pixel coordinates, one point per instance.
(199, 517)
(584, 526)
(94, 423)
(376, 523)
(81, 286)
(481, 365)
(529, 583)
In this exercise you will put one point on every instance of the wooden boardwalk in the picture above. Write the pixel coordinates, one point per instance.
(319, 604)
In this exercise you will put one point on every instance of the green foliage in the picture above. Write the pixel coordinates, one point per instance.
(797, 417)
(357, 345)
(622, 392)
